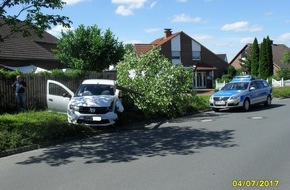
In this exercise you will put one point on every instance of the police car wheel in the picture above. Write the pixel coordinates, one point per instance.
(216, 109)
(268, 101)
(246, 105)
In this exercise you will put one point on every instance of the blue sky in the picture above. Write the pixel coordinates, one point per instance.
(223, 26)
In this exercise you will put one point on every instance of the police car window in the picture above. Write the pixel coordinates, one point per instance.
(265, 84)
(254, 84)
(260, 84)
(236, 86)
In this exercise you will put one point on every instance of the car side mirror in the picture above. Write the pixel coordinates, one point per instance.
(252, 88)
(66, 95)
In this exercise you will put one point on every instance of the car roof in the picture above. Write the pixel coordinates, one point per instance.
(99, 81)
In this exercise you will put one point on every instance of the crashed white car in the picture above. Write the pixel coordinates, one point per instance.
(95, 103)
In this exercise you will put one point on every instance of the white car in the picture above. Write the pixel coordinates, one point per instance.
(95, 103)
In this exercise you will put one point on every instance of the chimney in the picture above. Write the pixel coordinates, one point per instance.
(167, 32)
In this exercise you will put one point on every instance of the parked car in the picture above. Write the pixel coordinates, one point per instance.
(242, 91)
(95, 103)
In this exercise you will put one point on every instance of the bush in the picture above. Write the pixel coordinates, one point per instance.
(281, 92)
(227, 78)
(10, 75)
(56, 74)
(284, 73)
(200, 103)
(231, 71)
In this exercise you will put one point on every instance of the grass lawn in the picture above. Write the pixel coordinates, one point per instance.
(36, 127)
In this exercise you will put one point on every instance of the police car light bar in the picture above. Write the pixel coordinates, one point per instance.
(244, 78)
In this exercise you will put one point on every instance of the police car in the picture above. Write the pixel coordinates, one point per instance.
(242, 91)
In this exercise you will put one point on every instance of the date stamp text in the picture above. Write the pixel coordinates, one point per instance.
(255, 183)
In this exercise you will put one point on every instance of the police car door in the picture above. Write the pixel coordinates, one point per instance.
(254, 93)
(262, 92)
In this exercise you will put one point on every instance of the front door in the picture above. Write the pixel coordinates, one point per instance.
(201, 80)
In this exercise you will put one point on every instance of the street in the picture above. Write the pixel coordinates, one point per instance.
(207, 151)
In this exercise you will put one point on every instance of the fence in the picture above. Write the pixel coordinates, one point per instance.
(218, 85)
(36, 90)
(275, 83)
(280, 83)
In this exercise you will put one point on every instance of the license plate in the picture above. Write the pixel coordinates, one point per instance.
(97, 118)
(220, 103)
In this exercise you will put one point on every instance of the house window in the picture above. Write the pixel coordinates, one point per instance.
(196, 55)
(175, 54)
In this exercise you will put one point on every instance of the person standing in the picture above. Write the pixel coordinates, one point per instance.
(19, 86)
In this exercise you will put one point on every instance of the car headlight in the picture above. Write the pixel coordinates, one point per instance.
(211, 98)
(235, 98)
(74, 107)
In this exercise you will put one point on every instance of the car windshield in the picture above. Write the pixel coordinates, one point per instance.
(236, 86)
(94, 90)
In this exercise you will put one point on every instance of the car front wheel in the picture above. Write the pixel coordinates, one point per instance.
(246, 105)
(216, 109)
(268, 101)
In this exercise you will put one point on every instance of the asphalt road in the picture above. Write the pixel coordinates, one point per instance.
(209, 151)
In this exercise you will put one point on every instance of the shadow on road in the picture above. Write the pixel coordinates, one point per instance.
(201, 117)
(127, 146)
(254, 108)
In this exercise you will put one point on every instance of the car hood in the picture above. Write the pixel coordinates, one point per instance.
(93, 101)
(228, 93)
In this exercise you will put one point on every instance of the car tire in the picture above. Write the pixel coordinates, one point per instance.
(216, 109)
(246, 105)
(268, 101)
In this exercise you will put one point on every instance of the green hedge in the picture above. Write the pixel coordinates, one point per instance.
(29, 128)
(281, 92)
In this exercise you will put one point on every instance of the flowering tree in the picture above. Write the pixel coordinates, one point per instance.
(166, 88)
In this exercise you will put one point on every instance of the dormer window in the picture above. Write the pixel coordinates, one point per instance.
(196, 55)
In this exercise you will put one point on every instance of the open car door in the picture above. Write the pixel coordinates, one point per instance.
(56, 101)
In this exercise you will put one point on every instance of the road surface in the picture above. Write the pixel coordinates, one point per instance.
(208, 151)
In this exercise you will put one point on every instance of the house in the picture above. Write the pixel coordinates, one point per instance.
(18, 51)
(277, 51)
(181, 48)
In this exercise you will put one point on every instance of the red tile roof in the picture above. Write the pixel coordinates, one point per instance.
(162, 40)
(142, 48)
